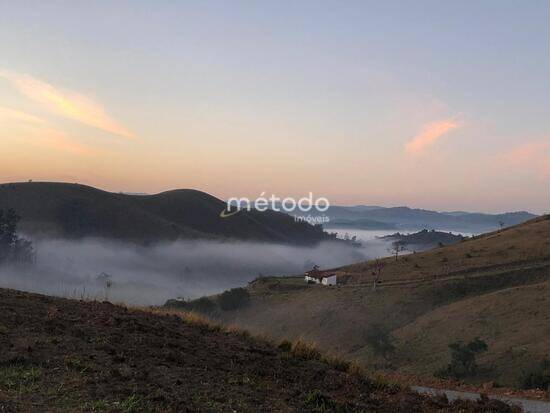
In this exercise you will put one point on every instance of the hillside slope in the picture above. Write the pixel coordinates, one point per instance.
(63, 355)
(73, 210)
(494, 287)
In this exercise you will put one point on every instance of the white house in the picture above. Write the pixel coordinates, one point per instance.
(329, 279)
(320, 277)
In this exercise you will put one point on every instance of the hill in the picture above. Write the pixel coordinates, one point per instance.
(406, 218)
(423, 240)
(63, 355)
(495, 287)
(76, 211)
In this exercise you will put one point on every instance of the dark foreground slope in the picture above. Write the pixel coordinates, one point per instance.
(64, 355)
(76, 211)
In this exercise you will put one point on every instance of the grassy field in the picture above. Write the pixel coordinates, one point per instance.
(495, 287)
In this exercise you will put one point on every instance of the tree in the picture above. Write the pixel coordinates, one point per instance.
(233, 299)
(396, 248)
(463, 358)
(23, 251)
(13, 248)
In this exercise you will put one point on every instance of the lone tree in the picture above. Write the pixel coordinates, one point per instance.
(397, 247)
(13, 248)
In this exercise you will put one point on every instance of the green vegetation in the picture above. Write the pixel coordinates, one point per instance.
(538, 378)
(77, 364)
(234, 299)
(285, 346)
(12, 247)
(463, 359)
(379, 339)
(130, 405)
(319, 401)
(20, 378)
(227, 301)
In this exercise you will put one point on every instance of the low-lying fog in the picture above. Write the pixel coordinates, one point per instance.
(127, 273)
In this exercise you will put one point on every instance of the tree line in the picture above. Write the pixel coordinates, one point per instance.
(13, 249)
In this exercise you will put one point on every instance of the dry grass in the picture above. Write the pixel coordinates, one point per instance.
(306, 351)
(425, 304)
(187, 316)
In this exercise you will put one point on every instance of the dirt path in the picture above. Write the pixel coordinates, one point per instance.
(459, 275)
(527, 405)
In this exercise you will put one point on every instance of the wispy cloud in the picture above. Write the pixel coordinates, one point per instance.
(58, 140)
(37, 131)
(65, 103)
(9, 114)
(531, 156)
(429, 134)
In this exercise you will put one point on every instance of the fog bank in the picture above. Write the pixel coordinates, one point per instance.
(99, 269)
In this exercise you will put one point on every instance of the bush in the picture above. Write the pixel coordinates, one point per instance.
(285, 346)
(203, 305)
(380, 340)
(305, 351)
(463, 359)
(234, 299)
(319, 401)
(539, 378)
(13, 248)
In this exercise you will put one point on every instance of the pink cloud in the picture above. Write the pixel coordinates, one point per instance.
(38, 131)
(68, 104)
(9, 114)
(531, 156)
(429, 134)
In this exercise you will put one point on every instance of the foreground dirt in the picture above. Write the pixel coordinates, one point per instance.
(67, 355)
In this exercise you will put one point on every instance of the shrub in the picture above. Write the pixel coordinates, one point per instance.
(538, 378)
(318, 401)
(306, 351)
(380, 340)
(285, 346)
(338, 363)
(176, 303)
(463, 359)
(203, 305)
(234, 299)
(13, 248)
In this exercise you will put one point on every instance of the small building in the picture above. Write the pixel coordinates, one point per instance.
(329, 279)
(321, 277)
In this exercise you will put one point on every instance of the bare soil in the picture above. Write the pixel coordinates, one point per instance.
(66, 355)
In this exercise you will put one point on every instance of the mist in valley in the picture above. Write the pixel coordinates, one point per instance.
(121, 272)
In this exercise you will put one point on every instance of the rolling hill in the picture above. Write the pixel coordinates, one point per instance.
(62, 355)
(76, 211)
(405, 218)
(495, 287)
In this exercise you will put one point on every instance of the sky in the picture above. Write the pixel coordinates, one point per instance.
(431, 104)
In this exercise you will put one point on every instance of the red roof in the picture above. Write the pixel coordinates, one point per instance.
(318, 274)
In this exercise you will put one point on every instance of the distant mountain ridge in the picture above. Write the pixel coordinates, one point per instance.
(77, 211)
(364, 217)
